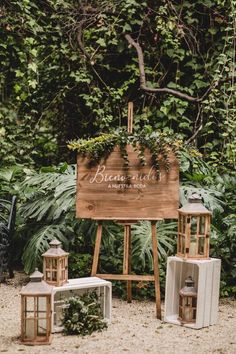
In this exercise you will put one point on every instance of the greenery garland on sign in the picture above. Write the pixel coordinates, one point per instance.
(160, 144)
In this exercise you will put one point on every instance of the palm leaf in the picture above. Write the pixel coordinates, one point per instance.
(39, 243)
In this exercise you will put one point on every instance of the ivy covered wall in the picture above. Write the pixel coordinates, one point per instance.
(67, 71)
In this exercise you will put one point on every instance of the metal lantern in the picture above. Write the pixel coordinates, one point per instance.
(193, 229)
(36, 311)
(55, 264)
(188, 302)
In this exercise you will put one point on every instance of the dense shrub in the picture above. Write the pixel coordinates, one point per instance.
(83, 315)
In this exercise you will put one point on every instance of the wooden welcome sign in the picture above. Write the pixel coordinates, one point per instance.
(108, 191)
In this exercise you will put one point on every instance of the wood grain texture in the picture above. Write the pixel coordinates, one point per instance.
(105, 192)
(96, 250)
(156, 270)
(134, 277)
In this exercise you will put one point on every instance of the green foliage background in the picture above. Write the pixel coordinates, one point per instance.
(53, 90)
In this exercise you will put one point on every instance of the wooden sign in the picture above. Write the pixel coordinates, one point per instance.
(108, 191)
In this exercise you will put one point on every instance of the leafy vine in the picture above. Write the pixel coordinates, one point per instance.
(159, 144)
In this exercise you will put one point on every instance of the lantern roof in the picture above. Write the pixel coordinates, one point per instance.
(55, 250)
(194, 206)
(36, 286)
(188, 289)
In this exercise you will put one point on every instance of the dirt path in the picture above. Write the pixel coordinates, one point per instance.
(134, 329)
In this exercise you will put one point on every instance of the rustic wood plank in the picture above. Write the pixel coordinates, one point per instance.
(125, 221)
(104, 191)
(133, 277)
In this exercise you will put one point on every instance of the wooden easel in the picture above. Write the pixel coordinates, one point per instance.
(127, 276)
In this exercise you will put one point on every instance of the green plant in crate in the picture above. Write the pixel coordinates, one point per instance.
(83, 315)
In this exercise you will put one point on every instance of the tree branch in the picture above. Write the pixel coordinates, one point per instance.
(143, 84)
(175, 93)
(87, 56)
(200, 126)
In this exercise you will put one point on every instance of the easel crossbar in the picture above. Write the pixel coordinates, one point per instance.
(134, 277)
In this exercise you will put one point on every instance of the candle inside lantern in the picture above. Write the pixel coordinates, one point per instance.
(187, 309)
(192, 248)
(29, 330)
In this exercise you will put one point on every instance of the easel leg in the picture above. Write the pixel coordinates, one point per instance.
(129, 283)
(127, 259)
(97, 250)
(156, 270)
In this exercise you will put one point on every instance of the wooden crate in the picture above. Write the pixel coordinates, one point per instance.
(77, 287)
(108, 191)
(206, 275)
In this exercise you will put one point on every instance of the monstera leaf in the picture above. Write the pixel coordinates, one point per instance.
(142, 241)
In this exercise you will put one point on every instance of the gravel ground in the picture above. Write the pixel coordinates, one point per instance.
(134, 329)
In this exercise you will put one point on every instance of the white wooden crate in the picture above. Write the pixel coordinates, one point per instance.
(77, 287)
(206, 276)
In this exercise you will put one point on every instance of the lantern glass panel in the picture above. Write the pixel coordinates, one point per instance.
(187, 308)
(54, 276)
(42, 327)
(187, 301)
(187, 314)
(179, 243)
(42, 304)
(180, 224)
(182, 250)
(29, 306)
(183, 224)
(193, 245)
(29, 317)
(48, 275)
(193, 221)
(62, 275)
(42, 316)
(29, 329)
(202, 225)
(54, 263)
(201, 245)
